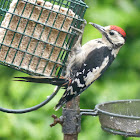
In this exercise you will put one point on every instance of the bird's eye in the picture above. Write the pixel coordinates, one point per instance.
(111, 33)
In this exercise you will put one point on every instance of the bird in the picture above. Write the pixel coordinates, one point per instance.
(87, 63)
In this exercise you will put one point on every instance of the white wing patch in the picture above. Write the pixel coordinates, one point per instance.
(78, 83)
(96, 72)
(70, 89)
(83, 71)
(78, 73)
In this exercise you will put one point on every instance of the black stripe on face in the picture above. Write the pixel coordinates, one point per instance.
(108, 38)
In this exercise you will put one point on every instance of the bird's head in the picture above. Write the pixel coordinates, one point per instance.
(112, 34)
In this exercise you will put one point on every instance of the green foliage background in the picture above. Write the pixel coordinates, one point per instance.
(120, 81)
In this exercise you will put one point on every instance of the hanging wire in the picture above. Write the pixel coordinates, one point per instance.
(26, 110)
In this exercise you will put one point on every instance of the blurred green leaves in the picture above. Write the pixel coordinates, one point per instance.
(121, 81)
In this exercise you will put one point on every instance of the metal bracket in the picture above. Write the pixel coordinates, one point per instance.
(57, 120)
(88, 112)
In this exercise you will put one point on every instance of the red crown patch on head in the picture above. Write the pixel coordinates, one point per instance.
(118, 29)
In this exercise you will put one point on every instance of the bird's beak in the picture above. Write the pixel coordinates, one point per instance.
(98, 27)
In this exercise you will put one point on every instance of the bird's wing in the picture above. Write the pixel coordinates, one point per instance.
(91, 69)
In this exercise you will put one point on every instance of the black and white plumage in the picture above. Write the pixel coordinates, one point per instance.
(87, 63)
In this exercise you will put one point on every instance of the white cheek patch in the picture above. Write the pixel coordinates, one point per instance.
(96, 72)
(117, 38)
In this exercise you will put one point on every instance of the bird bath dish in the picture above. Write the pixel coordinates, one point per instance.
(120, 117)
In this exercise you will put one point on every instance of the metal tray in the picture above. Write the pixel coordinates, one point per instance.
(120, 117)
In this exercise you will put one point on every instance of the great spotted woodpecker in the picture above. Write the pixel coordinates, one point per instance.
(87, 64)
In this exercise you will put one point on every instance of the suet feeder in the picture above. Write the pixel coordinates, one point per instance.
(36, 35)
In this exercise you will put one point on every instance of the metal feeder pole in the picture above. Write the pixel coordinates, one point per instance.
(71, 125)
(71, 121)
(71, 117)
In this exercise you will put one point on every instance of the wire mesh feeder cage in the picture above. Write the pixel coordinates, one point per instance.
(36, 36)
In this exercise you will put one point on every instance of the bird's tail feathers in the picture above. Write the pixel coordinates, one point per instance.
(64, 99)
(63, 82)
(48, 80)
(60, 103)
